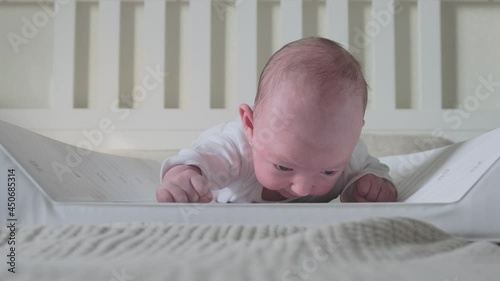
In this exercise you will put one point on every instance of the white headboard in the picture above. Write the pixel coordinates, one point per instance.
(70, 65)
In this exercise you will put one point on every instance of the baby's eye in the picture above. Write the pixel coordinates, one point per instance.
(329, 173)
(282, 168)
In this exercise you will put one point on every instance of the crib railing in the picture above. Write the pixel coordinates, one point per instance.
(149, 125)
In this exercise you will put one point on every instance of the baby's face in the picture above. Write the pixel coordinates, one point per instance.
(299, 151)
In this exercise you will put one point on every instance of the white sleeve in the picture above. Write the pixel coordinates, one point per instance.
(361, 164)
(215, 154)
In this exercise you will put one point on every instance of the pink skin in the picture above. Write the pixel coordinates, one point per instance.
(301, 147)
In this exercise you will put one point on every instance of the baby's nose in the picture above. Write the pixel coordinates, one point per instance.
(302, 187)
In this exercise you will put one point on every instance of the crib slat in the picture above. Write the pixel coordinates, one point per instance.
(154, 28)
(64, 57)
(200, 54)
(181, 120)
(338, 21)
(291, 20)
(382, 32)
(429, 14)
(109, 54)
(247, 51)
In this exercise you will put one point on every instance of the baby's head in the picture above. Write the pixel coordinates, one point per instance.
(307, 117)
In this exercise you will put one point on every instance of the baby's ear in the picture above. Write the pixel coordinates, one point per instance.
(246, 115)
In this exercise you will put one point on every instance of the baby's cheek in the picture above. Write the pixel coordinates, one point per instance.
(269, 179)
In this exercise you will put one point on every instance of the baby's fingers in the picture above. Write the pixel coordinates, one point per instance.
(200, 185)
(366, 189)
(179, 193)
(183, 190)
(388, 193)
(163, 195)
(363, 188)
(374, 192)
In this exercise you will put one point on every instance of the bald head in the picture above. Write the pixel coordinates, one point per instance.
(320, 67)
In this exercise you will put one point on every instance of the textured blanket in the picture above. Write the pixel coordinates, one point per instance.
(376, 249)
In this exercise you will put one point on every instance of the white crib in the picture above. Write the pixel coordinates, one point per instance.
(101, 53)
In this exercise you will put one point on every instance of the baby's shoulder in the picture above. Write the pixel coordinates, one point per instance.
(234, 132)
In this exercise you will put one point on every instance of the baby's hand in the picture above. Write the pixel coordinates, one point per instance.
(370, 188)
(184, 183)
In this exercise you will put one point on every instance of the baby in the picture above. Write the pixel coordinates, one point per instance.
(300, 143)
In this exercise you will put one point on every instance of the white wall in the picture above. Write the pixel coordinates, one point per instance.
(470, 50)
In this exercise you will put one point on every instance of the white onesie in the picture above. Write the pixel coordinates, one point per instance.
(224, 157)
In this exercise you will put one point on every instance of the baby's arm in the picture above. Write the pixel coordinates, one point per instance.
(194, 173)
(370, 180)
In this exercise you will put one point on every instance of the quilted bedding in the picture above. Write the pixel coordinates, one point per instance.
(371, 249)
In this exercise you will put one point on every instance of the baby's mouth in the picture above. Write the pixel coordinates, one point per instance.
(288, 193)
